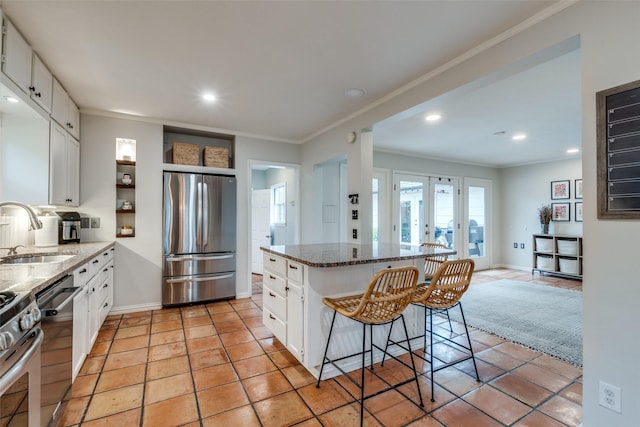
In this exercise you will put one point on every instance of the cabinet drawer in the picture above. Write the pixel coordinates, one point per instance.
(275, 303)
(275, 325)
(275, 263)
(274, 282)
(81, 275)
(294, 271)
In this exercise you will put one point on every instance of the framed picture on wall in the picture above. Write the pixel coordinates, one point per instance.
(561, 211)
(578, 211)
(560, 190)
(578, 188)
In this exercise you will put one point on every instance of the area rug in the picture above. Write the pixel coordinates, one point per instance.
(540, 317)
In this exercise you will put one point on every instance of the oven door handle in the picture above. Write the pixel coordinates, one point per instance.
(46, 311)
(16, 370)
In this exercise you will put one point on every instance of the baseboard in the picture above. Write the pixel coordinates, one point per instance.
(135, 308)
(512, 267)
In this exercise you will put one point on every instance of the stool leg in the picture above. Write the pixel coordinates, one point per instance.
(371, 347)
(431, 350)
(364, 346)
(473, 358)
(324, 358)
(415, 375)
(386, 346)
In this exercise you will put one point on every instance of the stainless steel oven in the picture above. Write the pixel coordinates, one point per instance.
(20, 357)
(56, 308)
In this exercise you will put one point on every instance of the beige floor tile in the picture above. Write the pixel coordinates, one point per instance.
(219, 399)
(167, 367)
(172, 412)
(167, 388)
(123, 377)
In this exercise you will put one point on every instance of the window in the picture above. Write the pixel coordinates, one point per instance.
(278, 204)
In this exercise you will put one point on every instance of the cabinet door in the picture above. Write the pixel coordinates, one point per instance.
(73, 118)
(59, 103)
(295, 320)
(73, 172)
(57, 166)
(17, 57)
(42, 84)
(80, 332)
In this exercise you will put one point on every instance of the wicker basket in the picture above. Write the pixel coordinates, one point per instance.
(186, 154)
(217, 157)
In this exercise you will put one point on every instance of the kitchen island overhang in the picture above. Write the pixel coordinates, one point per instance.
(297, 278)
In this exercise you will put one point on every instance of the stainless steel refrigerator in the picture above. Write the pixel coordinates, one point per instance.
(199, 238)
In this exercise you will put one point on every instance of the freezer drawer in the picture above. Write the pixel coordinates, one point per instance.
(190, 265)
(191, 289)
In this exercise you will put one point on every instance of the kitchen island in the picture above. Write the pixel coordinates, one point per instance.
(297, 278)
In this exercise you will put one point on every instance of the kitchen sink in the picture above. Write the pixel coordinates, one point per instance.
(36, 259)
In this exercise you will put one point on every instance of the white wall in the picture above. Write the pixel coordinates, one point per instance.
(608, 33)
(138, 279)
(524, 189)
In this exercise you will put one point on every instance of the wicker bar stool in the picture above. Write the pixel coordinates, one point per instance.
(431, 265)
(449, 283)
(389, 292)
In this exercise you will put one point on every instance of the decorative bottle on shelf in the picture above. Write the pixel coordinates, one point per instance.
(545, 228)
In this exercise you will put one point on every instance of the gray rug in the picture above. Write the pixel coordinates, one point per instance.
(540, 317)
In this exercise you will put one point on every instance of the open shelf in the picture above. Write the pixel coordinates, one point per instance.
(557, 254)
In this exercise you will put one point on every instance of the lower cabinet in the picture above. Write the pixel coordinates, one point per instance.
(92, 305)
(283, 302)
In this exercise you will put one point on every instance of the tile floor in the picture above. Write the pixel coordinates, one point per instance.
(217, 365)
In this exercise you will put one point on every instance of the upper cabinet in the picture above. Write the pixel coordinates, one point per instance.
(16, 57)
(64, 168)
(64, 110)
(41, 84)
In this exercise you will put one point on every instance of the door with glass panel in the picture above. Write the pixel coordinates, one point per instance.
(426, 210)
(477, 196)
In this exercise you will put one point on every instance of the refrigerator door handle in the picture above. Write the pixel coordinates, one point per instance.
(199, 279)
(199, 214)
(205, 258)
(205, 215)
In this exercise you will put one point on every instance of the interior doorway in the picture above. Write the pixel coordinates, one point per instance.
(274, 211)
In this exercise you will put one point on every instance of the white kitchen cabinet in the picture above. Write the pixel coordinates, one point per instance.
(92, 304)
(64, 110)
(16, 57)
(41, 84)
(64, 168)
(283, 302)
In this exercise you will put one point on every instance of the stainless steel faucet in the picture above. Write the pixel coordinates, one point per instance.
(13, 250)
(35, 223)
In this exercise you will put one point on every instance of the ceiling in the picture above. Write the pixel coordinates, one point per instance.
(280, 69)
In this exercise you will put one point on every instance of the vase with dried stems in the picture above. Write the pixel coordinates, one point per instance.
(545, 213)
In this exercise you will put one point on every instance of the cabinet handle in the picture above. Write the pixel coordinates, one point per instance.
(105, 269)
(106, 304)
(32, 88)
(106, 285)
(271, 317)
(272, 277)
(271, 294)
(286, 289)
(84, 270)
(293, 267)
(95, 261)
(38, 94)
(272, 260)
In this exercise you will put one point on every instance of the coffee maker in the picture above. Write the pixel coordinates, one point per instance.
(68, 227)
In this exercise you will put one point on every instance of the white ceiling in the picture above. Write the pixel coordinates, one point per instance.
(281, 68)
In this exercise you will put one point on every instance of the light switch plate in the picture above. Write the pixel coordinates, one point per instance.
(95, 222)
(85, 222)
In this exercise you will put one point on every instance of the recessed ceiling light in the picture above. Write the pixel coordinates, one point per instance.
(433, 117)
(519, 137)
(209, 97)
(11, 99)
(573, 150)
(354, 93)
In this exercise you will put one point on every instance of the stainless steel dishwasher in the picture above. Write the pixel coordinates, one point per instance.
(56, 306)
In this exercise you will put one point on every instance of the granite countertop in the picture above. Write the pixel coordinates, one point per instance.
(35, 277)
(341, 254)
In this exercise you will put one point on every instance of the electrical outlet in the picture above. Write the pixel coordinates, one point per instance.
(95, 222)
(515, 246)
(609, 396)
(521, 245)
(85, 222)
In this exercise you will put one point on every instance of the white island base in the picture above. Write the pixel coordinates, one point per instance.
(294, 312)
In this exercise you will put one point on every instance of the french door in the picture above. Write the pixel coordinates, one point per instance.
(477, 220)
(426, 210)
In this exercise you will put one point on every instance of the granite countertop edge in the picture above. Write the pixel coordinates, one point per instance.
(345, 262)
(12, 276)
